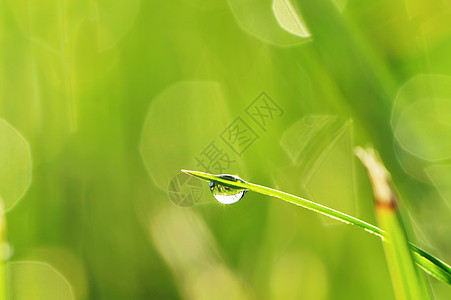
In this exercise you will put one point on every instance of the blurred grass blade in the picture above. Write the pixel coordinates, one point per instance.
(430, 264)
(2, 241)
(407, 283)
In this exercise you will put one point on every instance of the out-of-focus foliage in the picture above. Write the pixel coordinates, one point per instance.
(15, 165)
(111, 98)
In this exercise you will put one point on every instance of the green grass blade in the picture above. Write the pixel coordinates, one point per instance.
(431, 264)
(408, 283)
(427, 262)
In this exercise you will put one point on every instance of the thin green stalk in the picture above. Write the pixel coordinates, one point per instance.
(427, 262)
(407, 282)
(2, 263)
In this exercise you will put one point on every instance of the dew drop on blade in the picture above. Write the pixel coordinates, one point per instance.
(225, 194)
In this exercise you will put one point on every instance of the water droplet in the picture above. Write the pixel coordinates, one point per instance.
(225, 194)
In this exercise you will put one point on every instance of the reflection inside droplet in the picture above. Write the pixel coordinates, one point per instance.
(225, 194)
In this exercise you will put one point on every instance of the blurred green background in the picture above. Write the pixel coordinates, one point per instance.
(103, 102)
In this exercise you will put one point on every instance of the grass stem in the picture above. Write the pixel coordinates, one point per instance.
(427, 262)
